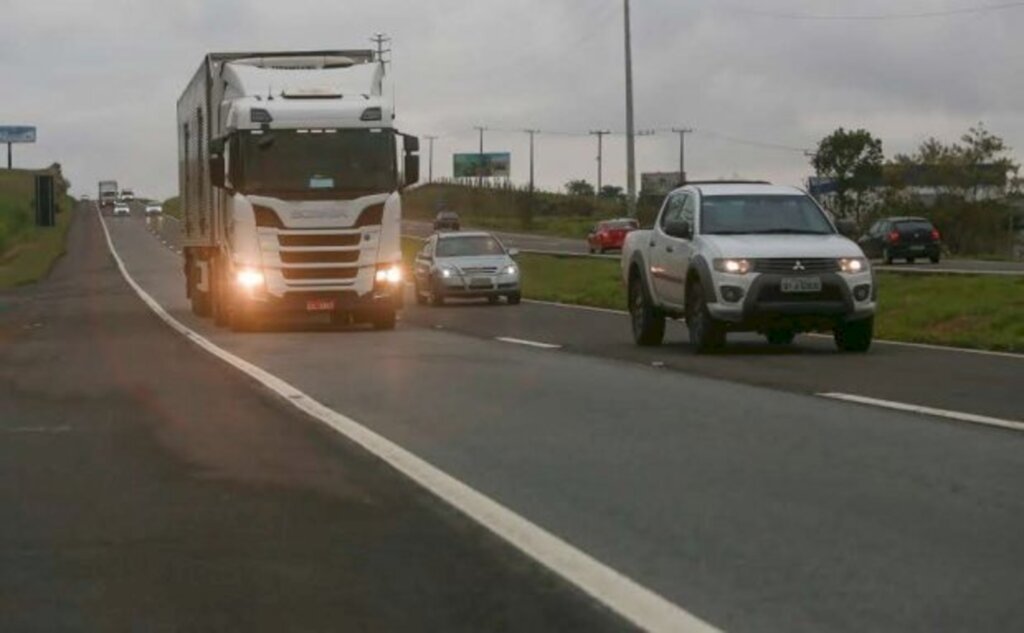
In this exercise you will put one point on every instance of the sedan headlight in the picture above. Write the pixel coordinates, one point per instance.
(447, 272)
(733, 266)
(853, 265)
(511, 269)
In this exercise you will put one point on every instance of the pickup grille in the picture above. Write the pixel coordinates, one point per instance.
(773, 294)
(794, 266)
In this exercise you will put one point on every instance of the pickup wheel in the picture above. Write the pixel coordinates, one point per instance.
(855, 336)
(648, 322)
(706, 333)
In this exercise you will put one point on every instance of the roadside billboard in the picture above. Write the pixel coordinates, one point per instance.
(491, 165)
(17, 134)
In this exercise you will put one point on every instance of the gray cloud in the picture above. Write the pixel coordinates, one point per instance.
(101, 77)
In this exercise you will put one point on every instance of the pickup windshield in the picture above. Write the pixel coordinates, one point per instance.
(763, 215)
(294, 164)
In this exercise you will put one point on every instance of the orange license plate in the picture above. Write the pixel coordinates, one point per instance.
(320, 305)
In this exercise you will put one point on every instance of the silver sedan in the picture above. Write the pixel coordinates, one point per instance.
(466, 266)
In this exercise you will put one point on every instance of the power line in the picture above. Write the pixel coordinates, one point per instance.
(916, 15)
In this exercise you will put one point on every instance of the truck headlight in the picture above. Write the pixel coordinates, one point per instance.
(390, 275)
(249, 278)
(733, 266)
(853, 265)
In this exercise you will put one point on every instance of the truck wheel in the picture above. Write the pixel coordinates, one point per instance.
(240, 320)
(648, 322)
(855, 336)
(218, 291)
(384, 319)
(706, 333)
(780, 337)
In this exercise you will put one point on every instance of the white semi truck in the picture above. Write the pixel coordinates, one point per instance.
(107, 193)
(290, 182)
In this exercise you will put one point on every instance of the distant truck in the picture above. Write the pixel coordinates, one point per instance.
(290, 184)
(127, 195)
(108, 192)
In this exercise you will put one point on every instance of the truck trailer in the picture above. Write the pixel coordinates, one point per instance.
(107, 193)
(291, 173)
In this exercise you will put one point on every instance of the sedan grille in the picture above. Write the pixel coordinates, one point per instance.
(487, 270)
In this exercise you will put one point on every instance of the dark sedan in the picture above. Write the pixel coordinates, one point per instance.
(447, 221)
(903, 238)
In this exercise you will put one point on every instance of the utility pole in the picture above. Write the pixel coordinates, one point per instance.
(480, 165)
(630, 131)
(430, 172)
(682, 132)
(600, 134)
(381, 40)
(532, 133)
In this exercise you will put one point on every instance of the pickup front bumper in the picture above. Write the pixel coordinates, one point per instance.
(757, 302)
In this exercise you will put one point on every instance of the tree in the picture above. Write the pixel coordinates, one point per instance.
(611, 192)
(853, 160)
(579, 188)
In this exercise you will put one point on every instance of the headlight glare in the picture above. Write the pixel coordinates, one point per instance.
(511, 269)
(853, 265)
(733, 266)
(249, 278)
(390, 275)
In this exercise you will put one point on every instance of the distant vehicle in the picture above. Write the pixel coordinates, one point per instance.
(290, 188)
(903, 238)
(154, 208)
(466, 266)
(85, 197)
(447, 221)
(127, 195)
(610, 235)
(122, 209)
(108, 193)
(747, 258)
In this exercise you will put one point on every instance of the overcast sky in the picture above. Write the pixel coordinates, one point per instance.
(100, 78)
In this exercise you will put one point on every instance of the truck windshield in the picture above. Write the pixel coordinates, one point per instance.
(762, 215)
(314, 165)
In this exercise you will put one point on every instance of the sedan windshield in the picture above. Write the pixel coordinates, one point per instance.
(472, 246)
(762, 215)
(295, 164)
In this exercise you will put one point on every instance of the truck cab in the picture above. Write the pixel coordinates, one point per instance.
(291, 186)
(747, 257)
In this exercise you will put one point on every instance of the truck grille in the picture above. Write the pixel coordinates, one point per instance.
(319, 274)
(794, 266)
(320, 257)
(320, 240)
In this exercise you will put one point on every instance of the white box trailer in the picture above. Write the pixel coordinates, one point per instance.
(107, 193)
(290, 184)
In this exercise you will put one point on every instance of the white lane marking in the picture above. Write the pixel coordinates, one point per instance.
(634, 602)
(519, 341)
(934, 348)
(951, 271)
(939, 413)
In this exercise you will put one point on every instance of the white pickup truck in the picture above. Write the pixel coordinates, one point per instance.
(747, 257)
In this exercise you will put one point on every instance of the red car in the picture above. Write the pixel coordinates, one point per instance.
(610, 235)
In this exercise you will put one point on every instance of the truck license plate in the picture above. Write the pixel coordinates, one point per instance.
(801, 284)
(320, 305)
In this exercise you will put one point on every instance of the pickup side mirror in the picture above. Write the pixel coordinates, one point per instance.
(217, 177)
(513, 252)
(679, 230)
(847, 228)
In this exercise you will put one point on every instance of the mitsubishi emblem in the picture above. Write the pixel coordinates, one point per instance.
(799, 266)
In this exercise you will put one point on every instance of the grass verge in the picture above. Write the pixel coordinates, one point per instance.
(975, 312)
(27, 252)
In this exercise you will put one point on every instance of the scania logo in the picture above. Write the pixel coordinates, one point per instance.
(312, 215)
(799, 266)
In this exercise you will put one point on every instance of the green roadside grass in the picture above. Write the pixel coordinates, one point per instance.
(172, 207)
(27, 252)
(975, 312)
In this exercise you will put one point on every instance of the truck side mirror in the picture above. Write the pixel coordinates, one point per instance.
(412, 143)
(217, 176)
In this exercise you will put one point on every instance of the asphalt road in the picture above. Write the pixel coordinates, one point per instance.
(723, 484)
(546, 244)
(146, 486)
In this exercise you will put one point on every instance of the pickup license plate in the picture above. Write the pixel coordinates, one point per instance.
(320, 305)
(917, 249)
(801, 284)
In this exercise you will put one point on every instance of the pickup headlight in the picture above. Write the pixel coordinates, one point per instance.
(511, 269)
(853, 265)
(447, 272)
(733, 266)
